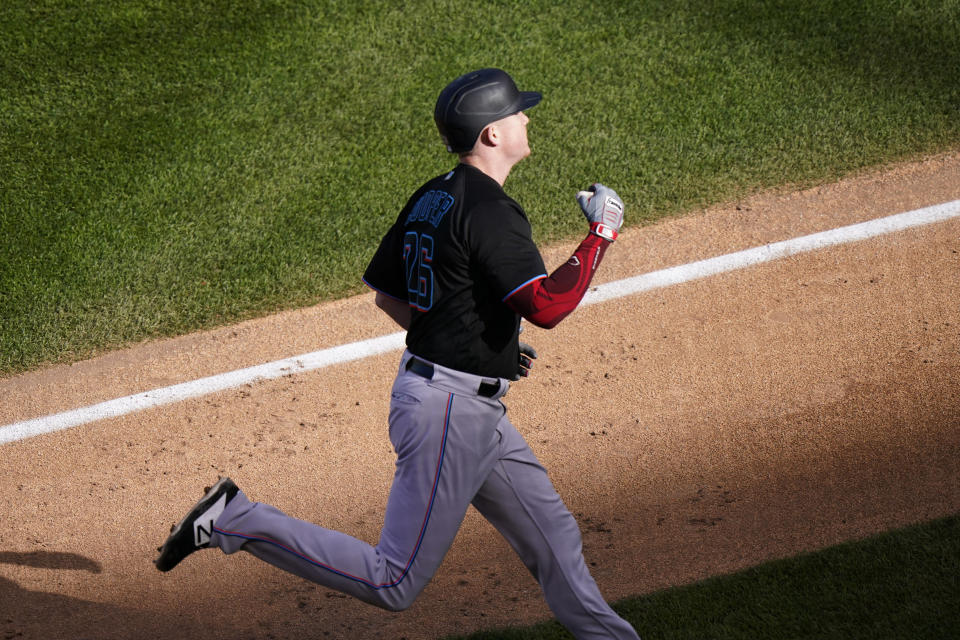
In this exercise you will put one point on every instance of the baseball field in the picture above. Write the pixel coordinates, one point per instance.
(191, 189)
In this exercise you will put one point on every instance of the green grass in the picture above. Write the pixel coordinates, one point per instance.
(898, 585)
(168, 166)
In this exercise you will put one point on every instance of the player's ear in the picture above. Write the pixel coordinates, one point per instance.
(490, 136)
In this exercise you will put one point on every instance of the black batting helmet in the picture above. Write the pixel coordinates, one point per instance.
(474, 100)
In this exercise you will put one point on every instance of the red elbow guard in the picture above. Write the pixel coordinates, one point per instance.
(547, 301)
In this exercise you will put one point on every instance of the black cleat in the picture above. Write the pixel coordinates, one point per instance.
(194, 531)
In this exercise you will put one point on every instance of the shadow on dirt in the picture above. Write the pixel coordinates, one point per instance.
(51, 560)
(26, 614)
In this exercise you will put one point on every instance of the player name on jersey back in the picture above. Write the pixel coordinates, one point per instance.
(431, 207)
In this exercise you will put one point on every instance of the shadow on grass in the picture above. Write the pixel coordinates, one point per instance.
(901, 584)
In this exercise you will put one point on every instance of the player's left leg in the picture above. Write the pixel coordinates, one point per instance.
(445, 442)
(521, 502)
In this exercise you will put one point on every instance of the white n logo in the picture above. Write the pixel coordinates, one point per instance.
(203, 525)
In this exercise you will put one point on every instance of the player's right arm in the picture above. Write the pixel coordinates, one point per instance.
(546, 301)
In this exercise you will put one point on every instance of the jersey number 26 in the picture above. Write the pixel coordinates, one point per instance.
(417, 258)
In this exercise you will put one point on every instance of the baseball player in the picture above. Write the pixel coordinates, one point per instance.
(458, 270)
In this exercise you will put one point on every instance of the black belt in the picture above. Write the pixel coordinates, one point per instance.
(425, 370)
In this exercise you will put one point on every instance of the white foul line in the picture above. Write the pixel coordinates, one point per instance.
(374, 346)
(201, 387)
(775, 251)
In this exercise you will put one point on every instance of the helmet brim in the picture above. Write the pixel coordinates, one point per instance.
(529, 99)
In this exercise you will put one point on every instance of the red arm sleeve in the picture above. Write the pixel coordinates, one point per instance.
(547, 301)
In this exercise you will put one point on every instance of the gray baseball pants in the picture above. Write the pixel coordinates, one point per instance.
(454, 448)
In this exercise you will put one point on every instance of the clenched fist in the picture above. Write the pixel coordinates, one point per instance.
(603, 209)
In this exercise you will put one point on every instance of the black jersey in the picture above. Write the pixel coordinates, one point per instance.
(458, 249)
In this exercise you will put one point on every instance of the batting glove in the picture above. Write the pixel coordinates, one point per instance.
(603, 209)
(527, 355)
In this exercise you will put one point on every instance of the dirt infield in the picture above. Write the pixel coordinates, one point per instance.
(694, 430)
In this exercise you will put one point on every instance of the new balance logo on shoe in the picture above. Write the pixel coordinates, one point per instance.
(203, 526)
(195, 530)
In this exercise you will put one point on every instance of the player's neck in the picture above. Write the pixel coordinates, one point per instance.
(495, 167)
